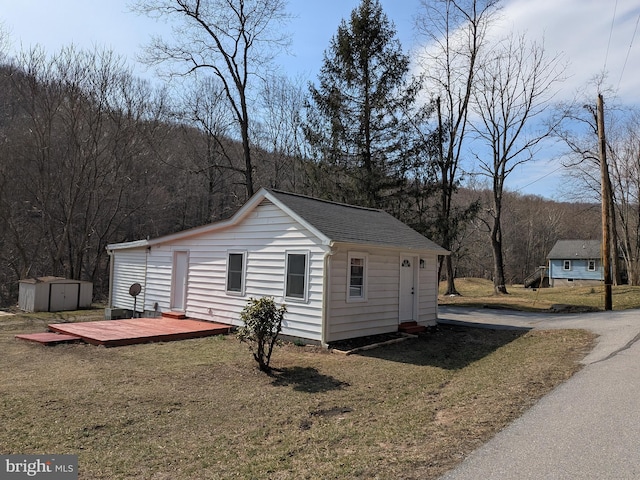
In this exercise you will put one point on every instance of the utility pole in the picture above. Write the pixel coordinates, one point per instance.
(605, 186)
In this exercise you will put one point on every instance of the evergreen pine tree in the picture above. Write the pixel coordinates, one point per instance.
(358, 117)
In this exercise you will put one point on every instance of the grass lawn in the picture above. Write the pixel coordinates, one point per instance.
(479, 292)
(200, 409)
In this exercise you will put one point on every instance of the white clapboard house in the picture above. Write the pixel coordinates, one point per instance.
(343, 271)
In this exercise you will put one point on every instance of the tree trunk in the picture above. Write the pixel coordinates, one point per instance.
(498, 258)
(499, 284)
(451, 287)
(248, 166)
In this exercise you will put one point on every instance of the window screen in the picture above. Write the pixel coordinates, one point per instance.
(234, 272)
(296, 275)
(356, 278)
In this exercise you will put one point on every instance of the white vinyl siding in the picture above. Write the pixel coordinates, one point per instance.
(129, 267)
(158, 283)
(379, 313)
(428, 288)
(265, 235)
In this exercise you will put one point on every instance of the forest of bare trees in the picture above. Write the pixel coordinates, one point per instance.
(91, 155)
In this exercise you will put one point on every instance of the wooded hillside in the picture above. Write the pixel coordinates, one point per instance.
(95, 157)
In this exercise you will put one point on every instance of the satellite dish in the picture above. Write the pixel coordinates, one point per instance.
(135, 289)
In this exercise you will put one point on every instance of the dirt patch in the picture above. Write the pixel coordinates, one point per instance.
(563, 308)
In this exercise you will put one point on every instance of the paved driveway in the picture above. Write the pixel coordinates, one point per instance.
(587, 428)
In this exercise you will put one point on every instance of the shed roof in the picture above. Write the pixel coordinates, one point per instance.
(50, 279)
(330, 221)
(568, 249)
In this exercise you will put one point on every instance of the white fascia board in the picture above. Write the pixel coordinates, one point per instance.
(126, 245)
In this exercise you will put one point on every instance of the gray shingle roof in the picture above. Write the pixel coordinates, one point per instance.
(338, 222)
(352, 224)
(568, 249)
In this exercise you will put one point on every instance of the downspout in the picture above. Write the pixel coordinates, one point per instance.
(326, 298)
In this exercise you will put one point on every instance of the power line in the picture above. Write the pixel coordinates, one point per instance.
(541, 178)
(635, 30)
(613, 20)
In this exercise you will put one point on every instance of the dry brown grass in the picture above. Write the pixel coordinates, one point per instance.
(479, 292)
(200, 409)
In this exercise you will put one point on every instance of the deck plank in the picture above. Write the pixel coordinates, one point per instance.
(139, 330)
(48, 338)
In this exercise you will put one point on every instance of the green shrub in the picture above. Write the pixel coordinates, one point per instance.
(262, 325)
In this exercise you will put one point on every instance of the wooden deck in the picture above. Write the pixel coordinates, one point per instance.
(111, 333)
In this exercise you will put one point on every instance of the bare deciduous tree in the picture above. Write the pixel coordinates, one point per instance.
(73, 173)
(623, 146)
(579, 132)
(211, 155)
(455, 32)
(280, 131)
(233, 39)
(514, 87)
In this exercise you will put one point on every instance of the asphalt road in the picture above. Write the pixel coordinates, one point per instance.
(588, 427)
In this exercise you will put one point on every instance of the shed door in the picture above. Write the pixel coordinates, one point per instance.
(63, 296)
(407, 288)
(179, 280)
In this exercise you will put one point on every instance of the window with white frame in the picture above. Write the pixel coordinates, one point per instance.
(591, 266)
(296, 275)
(357, 277)
(236, 267)
(566, 265)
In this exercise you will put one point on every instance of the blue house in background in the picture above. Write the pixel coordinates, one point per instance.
(575, 262)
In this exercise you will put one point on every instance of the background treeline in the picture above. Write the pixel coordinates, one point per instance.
(91, 155)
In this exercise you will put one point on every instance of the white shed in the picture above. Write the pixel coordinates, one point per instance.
(54, 294)
(343, 271)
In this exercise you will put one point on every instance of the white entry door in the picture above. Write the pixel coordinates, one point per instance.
(407, 289)
(179, 280)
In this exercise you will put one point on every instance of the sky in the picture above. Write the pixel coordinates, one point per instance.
(593, 35)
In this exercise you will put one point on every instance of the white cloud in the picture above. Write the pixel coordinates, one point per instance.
(586, 32)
